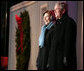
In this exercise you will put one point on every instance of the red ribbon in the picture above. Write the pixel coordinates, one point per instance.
(19, 22)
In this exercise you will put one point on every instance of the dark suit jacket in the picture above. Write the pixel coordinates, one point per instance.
(62, 45)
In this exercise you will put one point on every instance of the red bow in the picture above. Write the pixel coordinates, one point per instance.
(18, 19)
(19, 22)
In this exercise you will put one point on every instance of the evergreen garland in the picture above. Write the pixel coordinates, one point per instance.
(23, 57)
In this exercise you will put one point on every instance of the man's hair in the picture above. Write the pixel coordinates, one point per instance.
(47, 11)
(63, 6)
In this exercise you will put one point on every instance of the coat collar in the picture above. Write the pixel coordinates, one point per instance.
(63, 17)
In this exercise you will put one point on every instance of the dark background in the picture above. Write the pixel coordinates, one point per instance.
(5, 9)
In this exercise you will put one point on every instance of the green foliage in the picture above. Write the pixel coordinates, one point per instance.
(23, 58)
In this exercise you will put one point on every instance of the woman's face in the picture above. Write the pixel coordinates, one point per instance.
(46, 18)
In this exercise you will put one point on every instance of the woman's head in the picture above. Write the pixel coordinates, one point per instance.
(46, 17)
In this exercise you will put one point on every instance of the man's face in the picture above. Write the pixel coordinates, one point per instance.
(58, 11)
(47, 18)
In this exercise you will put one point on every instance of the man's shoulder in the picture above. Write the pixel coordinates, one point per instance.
(71, 20)
(70, 23)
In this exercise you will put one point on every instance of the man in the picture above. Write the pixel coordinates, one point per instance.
(62, 53)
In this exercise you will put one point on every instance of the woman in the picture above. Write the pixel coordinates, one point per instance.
(43, 46)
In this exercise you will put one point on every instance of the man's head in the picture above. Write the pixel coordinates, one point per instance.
(59, 9)
(46, 17)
